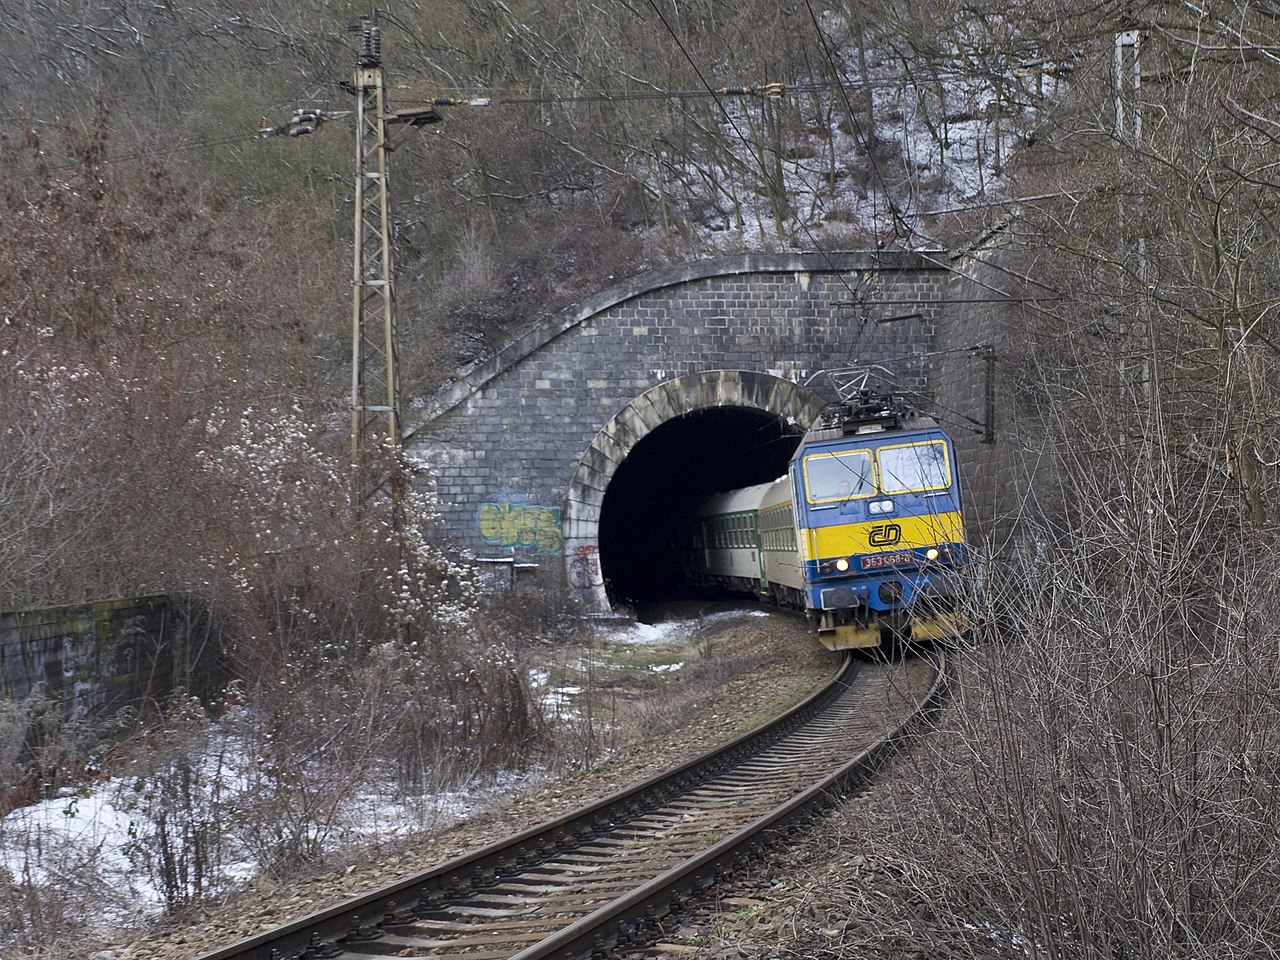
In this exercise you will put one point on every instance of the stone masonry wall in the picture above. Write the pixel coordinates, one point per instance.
(983, 317)
(505, 441)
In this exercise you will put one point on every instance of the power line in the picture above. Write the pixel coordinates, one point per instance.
(769, 91)
(772, 91)
(883, 82)
(306, 121)
(899, 224)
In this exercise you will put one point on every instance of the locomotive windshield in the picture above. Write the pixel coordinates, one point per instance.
(914, 467)
(901, 468)
(838, 476)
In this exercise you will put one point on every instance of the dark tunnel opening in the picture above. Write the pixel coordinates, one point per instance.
(651, 503)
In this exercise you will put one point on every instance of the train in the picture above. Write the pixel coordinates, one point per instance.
(864, 532)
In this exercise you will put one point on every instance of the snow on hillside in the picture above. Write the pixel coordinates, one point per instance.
(940, 140)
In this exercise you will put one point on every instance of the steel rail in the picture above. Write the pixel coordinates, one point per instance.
(363, 918)
(630, 913)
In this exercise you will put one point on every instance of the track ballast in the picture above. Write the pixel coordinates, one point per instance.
(612, 873)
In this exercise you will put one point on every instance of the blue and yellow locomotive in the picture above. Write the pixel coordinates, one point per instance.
(864, 532)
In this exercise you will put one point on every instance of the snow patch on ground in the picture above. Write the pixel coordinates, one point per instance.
(92, 840)
(50, 841)
(672, 631)
(651, 633)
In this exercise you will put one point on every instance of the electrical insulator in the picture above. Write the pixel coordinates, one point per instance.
(371, 54)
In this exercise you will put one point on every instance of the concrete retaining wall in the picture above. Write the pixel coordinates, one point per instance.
(96, 657)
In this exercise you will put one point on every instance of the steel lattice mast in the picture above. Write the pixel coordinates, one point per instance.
(375, 380)
(375, 388)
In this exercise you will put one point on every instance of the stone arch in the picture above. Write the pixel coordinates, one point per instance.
(580, 513)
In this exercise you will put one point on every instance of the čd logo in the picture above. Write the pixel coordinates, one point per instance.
(885, 535)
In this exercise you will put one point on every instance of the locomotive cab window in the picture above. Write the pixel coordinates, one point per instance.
(840, 476)
(914, 467)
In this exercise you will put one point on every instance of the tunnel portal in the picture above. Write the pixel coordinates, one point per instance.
(647, 517)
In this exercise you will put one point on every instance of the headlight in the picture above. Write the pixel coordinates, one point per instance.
(932, 553)
(839, 565)
(876, 507)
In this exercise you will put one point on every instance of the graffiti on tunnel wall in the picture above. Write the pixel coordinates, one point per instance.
(513, 523)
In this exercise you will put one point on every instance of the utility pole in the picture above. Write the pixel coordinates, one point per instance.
(375, 386)
(377, 462)
(1128, 130)
(375, 379)
(1128, 86)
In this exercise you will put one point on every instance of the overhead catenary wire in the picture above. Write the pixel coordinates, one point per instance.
(296, 124)
(770, 91)
(492, 97)
(767, 90)
(902, 228)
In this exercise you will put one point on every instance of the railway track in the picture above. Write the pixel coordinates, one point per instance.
(610, 873)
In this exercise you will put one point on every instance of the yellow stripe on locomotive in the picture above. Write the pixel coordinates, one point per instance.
(882, 537)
